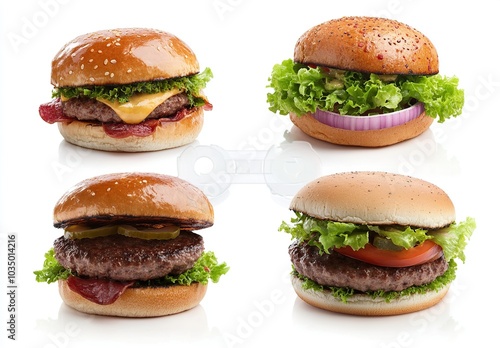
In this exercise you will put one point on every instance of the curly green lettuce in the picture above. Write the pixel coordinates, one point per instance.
(302, 89)
(330, 234)
(192, 85)
(205, 269)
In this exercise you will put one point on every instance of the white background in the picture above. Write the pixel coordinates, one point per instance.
(267, 159)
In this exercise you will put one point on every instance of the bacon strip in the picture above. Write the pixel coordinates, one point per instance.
(123, 130)
(99, 291)
(52, 112)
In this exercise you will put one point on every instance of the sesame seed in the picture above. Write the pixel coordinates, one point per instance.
(112, 74)
(117, 43)
(106, 61)
(73, 55)
(82, 66)
(99, 51)
(96, 66)
(108, 44)
(70, 72)
(129, 71)
(108, 189)
(106, 73)
(113, 61)
(92, 79)
(91, 60)
(92, 50)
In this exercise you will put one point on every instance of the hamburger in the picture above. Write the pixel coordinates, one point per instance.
(128, 247)
(363, 81)
(374, 243)
(130, 89)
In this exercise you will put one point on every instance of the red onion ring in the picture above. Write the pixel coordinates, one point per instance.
(375, 122)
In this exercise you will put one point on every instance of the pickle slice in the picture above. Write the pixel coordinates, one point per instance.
(165, 232)
(82, 231)
(385, 244)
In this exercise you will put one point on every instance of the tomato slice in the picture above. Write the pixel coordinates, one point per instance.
(425, 252)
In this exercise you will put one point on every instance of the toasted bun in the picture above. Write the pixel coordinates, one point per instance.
(366, 138)
(139, 302)
(166, 136)
(368, 44)
(366, 305)
(122, 56)
(375, 198)
(135, 197)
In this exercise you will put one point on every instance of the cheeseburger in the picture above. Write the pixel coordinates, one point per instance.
(127, 90)
(128, 247)
(374, 243)
(363, 81)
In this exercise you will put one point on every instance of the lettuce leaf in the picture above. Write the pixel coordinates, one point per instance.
(454, 238)
(52, 270)
(205, 268)
(326, 234)
(193, 85)
(302, 89)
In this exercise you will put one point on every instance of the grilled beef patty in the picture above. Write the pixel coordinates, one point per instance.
(124, 258)
(92, 110)
(338, 270)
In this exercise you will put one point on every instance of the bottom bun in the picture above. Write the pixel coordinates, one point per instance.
(366, 138)
(365, 305)
(139, 302)
(166, 136)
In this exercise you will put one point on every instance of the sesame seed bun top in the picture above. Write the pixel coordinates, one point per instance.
(368, 44)
(122, 56)
(375, 198)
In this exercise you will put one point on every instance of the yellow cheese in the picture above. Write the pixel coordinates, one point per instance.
(139, 106)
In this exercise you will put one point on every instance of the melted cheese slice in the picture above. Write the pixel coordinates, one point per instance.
(139, 106)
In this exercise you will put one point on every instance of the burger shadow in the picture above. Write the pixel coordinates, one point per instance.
(427, 326)
(74, 329)
(414, 157)
(73, 161)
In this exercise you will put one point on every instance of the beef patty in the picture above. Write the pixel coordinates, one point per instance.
(124, 258)
(338, 270)
(88, 109)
